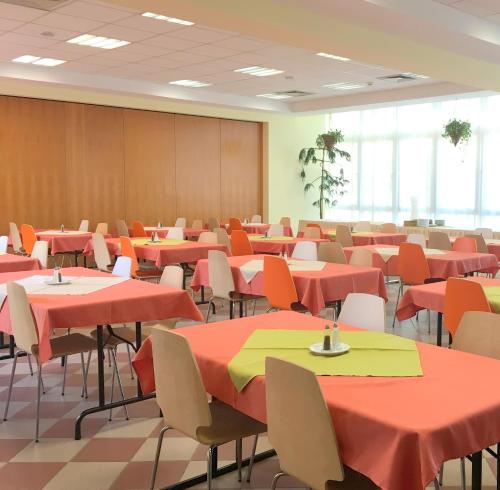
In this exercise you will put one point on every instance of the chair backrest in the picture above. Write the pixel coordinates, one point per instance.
(312, 232)
(343, 236)
(197, 224)
(220, 277)
(176, 233)
(234, 224)
(362, 226)
(41, 252)
(439, 240)
(180, 223)
(485, 232)
(462, 295)
(4, 242)
(207, 237)
(478, 333)
(121, 228)
(21, 318)
(305, 250)
(388, 228)
(256, 218)
(464, 244)
(222, 237)
(122, 267)
(179, 390)
(279, 287)
(213, 223)
(172, 276)
(364, 311)
(17, 244)
(28, 238)
(285, 221)
(101, 252)
(412, 264)
(418, 238)
(362, 257)
(138, 230)
(84, 225)
(481, 246)
(300, 426)
(102, 228)
(240, 244)
(127, 250)
(275, 230)
(331, 252)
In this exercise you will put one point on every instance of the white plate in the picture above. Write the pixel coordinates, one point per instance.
(317, 349)
(56, 283)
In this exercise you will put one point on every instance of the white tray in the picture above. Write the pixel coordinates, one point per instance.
(317, 349)
(56, 283)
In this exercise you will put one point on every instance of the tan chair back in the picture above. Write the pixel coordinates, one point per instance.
(362, 257)
(478, 333)
(275, 230)
(220, 277)
(21, 318)
(180, 223)
(207, 237)
(213, 223)
(299, 424)
(41, 252)
(172, 276)
(179, 389)
(343, 236)
(388, 228)
(101, 252)
(15, 236)
(197, 224)
(122, 228)
(84, 225)
(256, 218)
(331, 252)
(484, 232)
(480, 243)
(102, 228)
(439, 240)
(312, 232)
(222, 237)
(285, 221)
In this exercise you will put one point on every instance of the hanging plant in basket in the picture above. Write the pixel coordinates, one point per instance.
(457, 131)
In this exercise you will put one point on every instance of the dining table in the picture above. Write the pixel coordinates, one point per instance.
(277, 245)
(262, 228)
(13, 263)
(161, 231)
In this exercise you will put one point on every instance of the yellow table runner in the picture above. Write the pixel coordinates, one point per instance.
(270, 238)
(165, 241)
(371, 354)
(493, 296)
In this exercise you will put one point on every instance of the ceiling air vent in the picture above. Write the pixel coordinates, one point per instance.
(294, 93)
(38, 4)
(402, 77)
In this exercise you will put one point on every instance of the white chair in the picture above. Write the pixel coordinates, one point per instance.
(213, 223)
(4, 241)
(101, 252)
(207, 237)
(275, 230)
(172, 276)
(197, 224)
(102, 228)
(362, 257)
(122, 267)
(364, 311)
(122, 228)
(417, 238)
(180, 223)
(256, 218)
(486, 232)
(223, 237)
(176, 232)
(363, 226)
(305, 250)
(312, 232)
(15, 236)
(84, 225)
(41, 252)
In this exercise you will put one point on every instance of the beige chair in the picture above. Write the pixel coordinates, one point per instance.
(41, 252)
(175, 233)
(172, 276)
(213, 223)
(312, 232)
(26, 335)
(485, 232)
(418, 238)
(207, 237)
(84, 225)
(197, 224)
(364, 311)
(4, 243)
(285, 221)
(305, 250)
(362, 257)
(183, 401)
(101, 253)
(331, 252)
(275, 230)
(439, 240)
(180, 223)
(223, 237)
(343, 236)
(15, 236)
(102, 228)
(122, 228)
(363, 226)
(480, 243)
(301, 430)
(256, 218)
(388, 228)
(221, 282)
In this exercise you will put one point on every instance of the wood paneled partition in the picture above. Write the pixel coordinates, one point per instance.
(61, 162)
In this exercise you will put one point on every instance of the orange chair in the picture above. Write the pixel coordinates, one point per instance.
(462, 295)
(240, 244)
(464, 244)
(234, 224)
(138, 230)
(127, 250)
(279, 287)
(28, 238)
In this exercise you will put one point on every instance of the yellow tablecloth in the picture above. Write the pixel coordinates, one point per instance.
(493, 296)
(165, 241)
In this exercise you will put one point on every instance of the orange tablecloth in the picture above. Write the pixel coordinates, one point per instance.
(162, 232)
(314, 288)
(280, 246)
(261, 228)
(129, 301)
(494, 248)
(376, 238)
(66, 243)
(396, 431)
(449, 264)
(14, 263)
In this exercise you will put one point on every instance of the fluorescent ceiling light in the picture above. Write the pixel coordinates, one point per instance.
(258, 71)
(27, 58)
(274, 96)
(36, 60)
(344, 86)
(414, 75)
(190, 83)
(333, 57)
(97, 41)
(152, 15)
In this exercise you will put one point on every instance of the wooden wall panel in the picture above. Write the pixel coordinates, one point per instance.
(149, 166)
(197, 166)
(241, 175)
(32, 162)
(95, 164)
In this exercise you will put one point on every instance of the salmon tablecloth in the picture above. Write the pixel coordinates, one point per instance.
(449, 264)
(64, 243)
(314, 288)
(374, 238)
(14, 263)
(262, 228)
(162, 231)
(494, 248)
(129, 301)
(274, 246)
(396, 431)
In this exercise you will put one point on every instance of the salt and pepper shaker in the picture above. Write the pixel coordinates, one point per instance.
(55, 275)
(62, 228)
(285, 256)
(335, 336)
(326, 339)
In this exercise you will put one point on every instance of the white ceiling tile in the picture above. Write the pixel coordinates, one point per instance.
(282, 51)
(473, 7)
(213, 51)
(18, 12)
(93, 11)
(61, 21)
(148, 24)
(79, 66)
(122, 33)
(37, 30)
(227, 76)
(145, 49)
(169, 42)
(250, 59)
(9, 51)
(215, 66)
(102, 60)
(494, 18)
(124, 56)
(241, 43)
(9, 24)
(29, 41)
(200, 34)
(188, 58)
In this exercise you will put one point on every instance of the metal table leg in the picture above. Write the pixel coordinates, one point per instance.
(439, 328)
(477, 459)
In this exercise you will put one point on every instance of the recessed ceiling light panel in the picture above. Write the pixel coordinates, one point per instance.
(333, 56)
(27, 58)
(37, 60)
(344, 86)
(190, 83)
(174, 20)
(258, 71)
(97, 41)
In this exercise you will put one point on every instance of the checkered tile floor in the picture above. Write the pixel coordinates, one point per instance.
(118, 454)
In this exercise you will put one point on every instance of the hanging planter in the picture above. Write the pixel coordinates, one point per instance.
(457, 131)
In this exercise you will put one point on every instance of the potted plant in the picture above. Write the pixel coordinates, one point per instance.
(457, 131)
(324, 154)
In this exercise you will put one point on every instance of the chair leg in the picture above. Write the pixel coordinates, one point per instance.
(462, 473)
(157, 457)
(254, 306)
(210, 454)
(86, 374)
(210, 302)
(276, 478)
(39, 394)
(428, 321)
(441, 473)
(119, 381)
(30, 365)
(252, 457)
(64, 374)
(130, 362)
(397, 302)
(239, 450)
(437, 486)
(84, 382)
(112, 394)
(11, 382)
